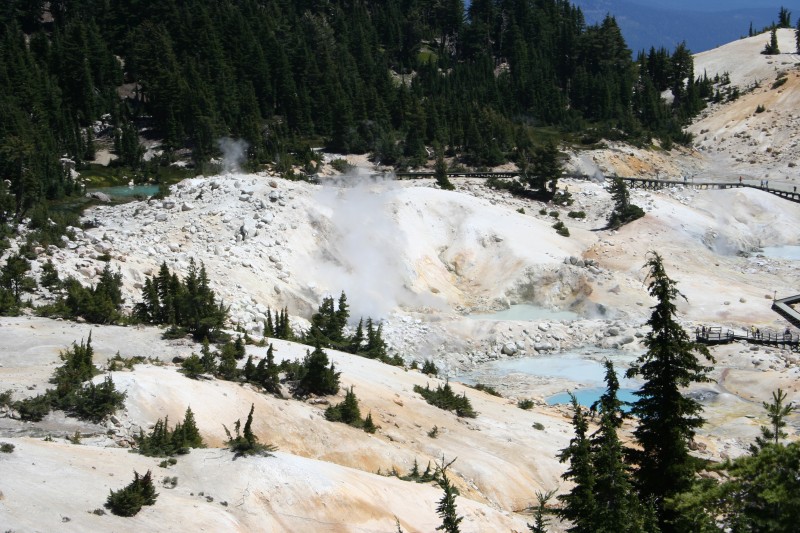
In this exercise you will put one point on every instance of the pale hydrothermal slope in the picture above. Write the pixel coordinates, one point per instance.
(495, 468)
(743, 59)
(736, 139)
(55, 486)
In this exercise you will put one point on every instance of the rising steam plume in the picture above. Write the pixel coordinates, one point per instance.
(362, 250)
(234, 152)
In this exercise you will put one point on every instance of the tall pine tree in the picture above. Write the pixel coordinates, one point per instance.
(667, 418)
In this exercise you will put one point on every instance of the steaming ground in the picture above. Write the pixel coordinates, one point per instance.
(420, 259)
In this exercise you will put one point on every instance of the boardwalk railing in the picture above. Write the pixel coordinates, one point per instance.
(784, 308)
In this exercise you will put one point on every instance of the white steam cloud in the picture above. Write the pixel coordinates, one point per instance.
(234, 152)
(362, 248)
(588, 167)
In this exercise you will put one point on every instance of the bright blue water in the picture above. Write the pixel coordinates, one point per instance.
(573, 366)
(123, 191)
(587, 397)
(526, 312)
(783, 252)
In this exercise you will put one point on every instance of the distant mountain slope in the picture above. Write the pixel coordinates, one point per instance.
(703, 25)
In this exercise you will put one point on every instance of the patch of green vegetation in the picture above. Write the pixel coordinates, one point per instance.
(247, 443)
(779, 82)
(488, 389)
(525, 403)
(561, 229)
(443, 397)
(129, 500)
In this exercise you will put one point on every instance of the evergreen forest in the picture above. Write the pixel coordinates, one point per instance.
(485, 84)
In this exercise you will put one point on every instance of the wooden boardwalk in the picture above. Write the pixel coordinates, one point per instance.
(636, 183)
(716, 335)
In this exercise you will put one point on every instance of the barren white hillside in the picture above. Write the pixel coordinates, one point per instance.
(738, 138)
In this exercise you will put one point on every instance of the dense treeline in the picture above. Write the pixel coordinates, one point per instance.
(390, 77)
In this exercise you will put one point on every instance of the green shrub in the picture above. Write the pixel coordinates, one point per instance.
(347, 411)
(87, 402)
(521, 210)
(554, 214)
(5, 398)
(525, 404)
(369, 425)
(576, 214)
(488, 389)
(543, 211)
(94, 402)
(6, 447)
(33, 409)
(118, 362)
(561, 229)
(779, 82)
(341, 165)
(129, 500)
(538, 426)
(760, 108)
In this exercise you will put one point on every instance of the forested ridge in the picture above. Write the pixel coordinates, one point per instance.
(390, 77)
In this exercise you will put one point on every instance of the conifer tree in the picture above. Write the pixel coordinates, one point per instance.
(207, 358)
(667, 418)
(227, 369)
(357, 339)
(270, 378)
(350, 413)
(617, 507)
(771, 48)
(777, 412)
(440, 171)
(191, 435)
(542, 176)
(446, 507)
(624, 211)
(249, 369)
(370, 427)
(340, 319)
(540, 521)
(578, 505)
(247, 443)
(269, 327)
(784, 18)
(319, 378)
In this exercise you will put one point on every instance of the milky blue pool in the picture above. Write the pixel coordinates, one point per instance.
(124, 191)
(783, 252)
